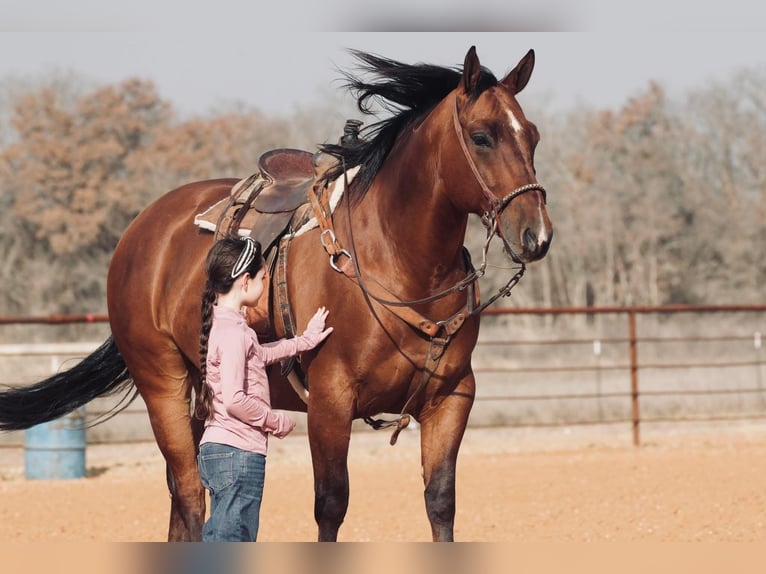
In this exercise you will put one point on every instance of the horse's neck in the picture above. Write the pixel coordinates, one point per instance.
(415, 228)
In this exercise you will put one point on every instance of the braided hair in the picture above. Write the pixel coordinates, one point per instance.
(228, 259)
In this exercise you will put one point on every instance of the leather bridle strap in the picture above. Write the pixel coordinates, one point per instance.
(496, 206)
(439, 332)
(501, 204)
(350, 268)
(436, 348)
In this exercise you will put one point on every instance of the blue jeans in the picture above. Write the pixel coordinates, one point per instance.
(234, 478)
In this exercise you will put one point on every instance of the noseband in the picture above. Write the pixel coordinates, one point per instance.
(496, 206)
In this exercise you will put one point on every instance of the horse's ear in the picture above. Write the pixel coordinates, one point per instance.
(471, 70)
(517, 78)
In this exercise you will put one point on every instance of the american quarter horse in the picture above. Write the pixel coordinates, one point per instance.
(404, 308)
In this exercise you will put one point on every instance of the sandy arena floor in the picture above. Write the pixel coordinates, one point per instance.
(568, 485)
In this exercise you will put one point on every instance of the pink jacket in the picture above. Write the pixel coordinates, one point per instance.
(236, 372)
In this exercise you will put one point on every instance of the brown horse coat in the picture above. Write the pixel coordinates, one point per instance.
(460, 145)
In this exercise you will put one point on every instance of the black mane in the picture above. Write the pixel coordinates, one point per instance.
(407, 91)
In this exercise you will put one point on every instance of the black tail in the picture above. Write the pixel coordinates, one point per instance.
(101, 373)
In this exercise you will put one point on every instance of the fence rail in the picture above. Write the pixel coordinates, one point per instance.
(613, 390)
(632, 363)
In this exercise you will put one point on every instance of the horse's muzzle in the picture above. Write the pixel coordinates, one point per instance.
(532, 246)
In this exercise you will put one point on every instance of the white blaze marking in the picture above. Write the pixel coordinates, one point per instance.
(542, 237)
(515, 123)
(516, 126)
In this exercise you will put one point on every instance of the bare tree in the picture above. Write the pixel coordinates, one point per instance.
(656, 202)
(723, 150)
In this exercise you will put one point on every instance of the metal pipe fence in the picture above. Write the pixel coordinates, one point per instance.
(706, 332)
(716, 366)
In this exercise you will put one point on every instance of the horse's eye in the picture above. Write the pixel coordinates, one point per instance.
(481, 139)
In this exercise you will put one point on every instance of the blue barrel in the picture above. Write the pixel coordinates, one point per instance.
(56, 449)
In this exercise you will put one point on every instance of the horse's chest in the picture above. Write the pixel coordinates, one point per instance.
(402, 369)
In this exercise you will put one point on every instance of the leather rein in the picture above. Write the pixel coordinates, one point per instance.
(439, 332)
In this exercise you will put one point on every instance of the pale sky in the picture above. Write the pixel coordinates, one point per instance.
(273, 59)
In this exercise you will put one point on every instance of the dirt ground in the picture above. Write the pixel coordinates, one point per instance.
(570, 485)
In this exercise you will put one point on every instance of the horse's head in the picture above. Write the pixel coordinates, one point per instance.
(496, 158)
(468, 130)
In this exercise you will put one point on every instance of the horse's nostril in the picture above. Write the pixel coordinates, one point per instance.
(530, 240)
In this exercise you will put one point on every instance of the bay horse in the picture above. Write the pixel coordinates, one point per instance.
(405, 322)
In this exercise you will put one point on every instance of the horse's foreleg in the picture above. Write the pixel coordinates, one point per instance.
(441, 433)
(329, 435)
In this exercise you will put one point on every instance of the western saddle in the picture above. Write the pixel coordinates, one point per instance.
(269, 205)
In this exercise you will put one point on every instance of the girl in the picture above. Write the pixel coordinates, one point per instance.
(234, 398)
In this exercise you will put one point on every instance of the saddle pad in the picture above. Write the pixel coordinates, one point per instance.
(337, 187)
(208, 219)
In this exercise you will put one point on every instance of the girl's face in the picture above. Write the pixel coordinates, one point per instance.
(253, 287)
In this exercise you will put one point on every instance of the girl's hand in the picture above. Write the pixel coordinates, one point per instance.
(286, 425)
(315, 332)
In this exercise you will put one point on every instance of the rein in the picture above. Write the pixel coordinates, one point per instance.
(439, 332)
(467, 282)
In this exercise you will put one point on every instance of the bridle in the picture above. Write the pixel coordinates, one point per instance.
(496, 206)
(439, 332)
(489, 220)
